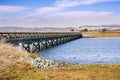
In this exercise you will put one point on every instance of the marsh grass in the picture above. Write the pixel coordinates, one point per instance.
(101, 34)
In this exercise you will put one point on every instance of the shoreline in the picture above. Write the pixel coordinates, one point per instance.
(43, 63)
(20, 69)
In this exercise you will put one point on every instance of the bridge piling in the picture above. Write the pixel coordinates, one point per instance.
(26, 47)
(38, 41)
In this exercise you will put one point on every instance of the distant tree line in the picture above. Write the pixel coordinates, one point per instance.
(101, 30)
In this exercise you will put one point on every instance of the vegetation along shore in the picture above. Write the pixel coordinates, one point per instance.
(101, 34)
(16, 64)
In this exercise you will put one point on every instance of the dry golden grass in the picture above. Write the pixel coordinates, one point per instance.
(33, 55)
(10, 54)
(101, 34)
(85, 72)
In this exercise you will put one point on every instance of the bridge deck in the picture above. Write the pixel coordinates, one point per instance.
(39, 40)
(35, 35)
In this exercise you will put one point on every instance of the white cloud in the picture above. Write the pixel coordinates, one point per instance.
(46, 10)
(61, 5)
(5, 8)
(72, 3)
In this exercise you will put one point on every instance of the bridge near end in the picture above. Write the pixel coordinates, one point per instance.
(38, 41)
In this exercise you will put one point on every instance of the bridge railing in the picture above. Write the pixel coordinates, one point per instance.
(24, 35)
(39, 40)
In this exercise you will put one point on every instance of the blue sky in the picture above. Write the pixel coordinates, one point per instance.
(58, 13)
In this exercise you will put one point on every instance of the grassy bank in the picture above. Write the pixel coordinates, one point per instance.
(10, 54)
(86, 72)
(101, 34)
(14, 67)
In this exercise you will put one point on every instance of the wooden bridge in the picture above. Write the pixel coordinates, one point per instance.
(37, 41)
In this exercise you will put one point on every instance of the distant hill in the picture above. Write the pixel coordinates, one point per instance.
(89, 27)
(114, 25)
(99, 27)
(12, 28)
(32, 29)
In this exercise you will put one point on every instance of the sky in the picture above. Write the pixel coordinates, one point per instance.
(58, 13)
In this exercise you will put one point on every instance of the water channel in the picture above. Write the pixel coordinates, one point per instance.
(86, 51)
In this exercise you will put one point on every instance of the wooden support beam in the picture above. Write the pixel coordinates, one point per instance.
(39, 40)
(27, 47)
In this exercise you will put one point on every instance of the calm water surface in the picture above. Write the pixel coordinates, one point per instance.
(86, 51)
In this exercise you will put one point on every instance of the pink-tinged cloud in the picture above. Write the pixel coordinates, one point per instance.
(46, 10)
(5, 8)
(26, 20)
(77, 18)
(64, 19)
(78, 14)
